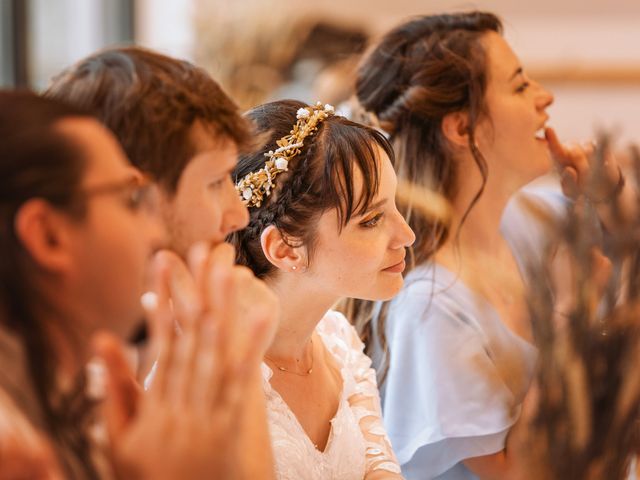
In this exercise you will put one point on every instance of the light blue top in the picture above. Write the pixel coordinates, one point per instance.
(457, 374)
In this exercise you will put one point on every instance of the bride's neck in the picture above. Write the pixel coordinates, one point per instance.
(302, 308)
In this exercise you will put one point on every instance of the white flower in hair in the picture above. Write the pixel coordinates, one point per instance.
(282, 164)
(256, 186)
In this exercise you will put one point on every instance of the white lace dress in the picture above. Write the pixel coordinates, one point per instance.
(358, 443)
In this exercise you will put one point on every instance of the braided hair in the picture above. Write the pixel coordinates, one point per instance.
(421, 71)
(319, 178)
(418, 73)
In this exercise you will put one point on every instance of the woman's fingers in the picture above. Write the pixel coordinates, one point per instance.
(557, 149)
(221, 292)
(200, 382)
(122, 391)
(189, 307)
(161, 326)
(207, 363)
(569, 182)
(222, 319)
(185, 300)
(567, 155)
(207, 369)
(180, 371)
(582, 170)
(198, 260)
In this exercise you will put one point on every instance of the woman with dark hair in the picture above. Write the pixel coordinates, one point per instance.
(323, 225)
(78, 230)
(466, 122)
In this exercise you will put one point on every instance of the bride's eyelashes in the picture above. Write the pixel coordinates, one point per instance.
(372, 221)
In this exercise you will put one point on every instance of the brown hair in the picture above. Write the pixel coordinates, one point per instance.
(150, 101)
(36, 161)
(320, 177)
(421, 71)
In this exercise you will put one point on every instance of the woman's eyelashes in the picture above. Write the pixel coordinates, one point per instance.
(521, 88)
(372, 221)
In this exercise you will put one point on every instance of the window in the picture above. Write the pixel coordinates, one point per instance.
(13, 70)
(39, 38)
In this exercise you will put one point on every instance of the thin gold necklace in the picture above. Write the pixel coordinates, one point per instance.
(283, 369)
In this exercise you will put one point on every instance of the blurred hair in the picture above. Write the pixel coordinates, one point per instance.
(37, 161)
(151, 101)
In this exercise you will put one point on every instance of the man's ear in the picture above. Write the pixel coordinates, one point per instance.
(280, 253)
(455, 128)
(44, 233)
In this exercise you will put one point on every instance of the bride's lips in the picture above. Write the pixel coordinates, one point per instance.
(396, 268)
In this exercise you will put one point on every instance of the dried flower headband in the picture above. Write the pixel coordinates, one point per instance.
(254, 187)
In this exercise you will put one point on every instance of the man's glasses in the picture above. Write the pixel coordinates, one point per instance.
(138, 193)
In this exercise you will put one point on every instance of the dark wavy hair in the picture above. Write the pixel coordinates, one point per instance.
(417, 74)
(37, 161)
(320, 178)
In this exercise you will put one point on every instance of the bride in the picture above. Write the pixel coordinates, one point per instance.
(323, 225)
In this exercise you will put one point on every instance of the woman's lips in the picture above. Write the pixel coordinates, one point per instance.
(397, 268)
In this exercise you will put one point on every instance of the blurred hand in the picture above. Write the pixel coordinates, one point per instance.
(564, 272)
(186, 425)
(256, 305)
(579, 176)
(19, 462)
(24, 453)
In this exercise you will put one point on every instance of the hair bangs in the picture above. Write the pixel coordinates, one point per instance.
(352, 151)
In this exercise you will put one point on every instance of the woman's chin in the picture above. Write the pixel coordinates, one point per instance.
(390, 289)
(542, 165)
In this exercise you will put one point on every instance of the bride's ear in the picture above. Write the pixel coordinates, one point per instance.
(281, 251)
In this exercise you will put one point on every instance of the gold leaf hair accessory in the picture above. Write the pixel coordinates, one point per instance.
(256, 186)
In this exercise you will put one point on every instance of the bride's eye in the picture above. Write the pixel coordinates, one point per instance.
(371, 222)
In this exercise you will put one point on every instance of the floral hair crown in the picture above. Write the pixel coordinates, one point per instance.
(256, 186)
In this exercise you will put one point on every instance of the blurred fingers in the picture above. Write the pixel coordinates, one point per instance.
(122, 391)
(161, 326)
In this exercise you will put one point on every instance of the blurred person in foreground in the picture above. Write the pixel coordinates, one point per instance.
(180, 129)
(79, 233)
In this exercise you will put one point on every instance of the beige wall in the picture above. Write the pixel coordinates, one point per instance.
(597, 42)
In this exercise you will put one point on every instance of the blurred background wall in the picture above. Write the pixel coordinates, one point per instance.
(586, 52)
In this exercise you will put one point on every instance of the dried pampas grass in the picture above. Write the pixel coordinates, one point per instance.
(583, 423)
(246, 45)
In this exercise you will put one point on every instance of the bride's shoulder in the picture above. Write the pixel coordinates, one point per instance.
(334, 323)
(338, 335)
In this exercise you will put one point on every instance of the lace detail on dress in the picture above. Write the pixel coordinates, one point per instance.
(358, 443)
(342, 340)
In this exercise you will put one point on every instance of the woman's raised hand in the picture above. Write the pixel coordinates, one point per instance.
(579, 173)
(186, 425)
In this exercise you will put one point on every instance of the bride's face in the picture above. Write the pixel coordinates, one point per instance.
(366, 258)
